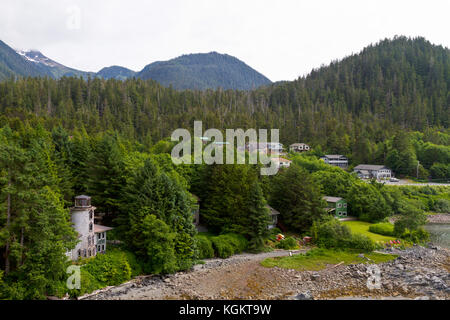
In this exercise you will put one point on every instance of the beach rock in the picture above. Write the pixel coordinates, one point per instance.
(304, 296)
(315, 276)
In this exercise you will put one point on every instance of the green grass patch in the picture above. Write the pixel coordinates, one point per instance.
(318, 259)
(362, 227)
(382, 228)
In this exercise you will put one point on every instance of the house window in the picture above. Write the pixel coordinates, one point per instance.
(79, 252)
(90, 226)
(103, 247)
(90, 214)
(345, 205)
(339, 205)
(89, 252)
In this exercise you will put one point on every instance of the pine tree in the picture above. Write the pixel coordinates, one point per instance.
(297, 198)
(258, 218)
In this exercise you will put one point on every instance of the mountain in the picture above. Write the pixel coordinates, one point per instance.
(12, 64)
(404, 80)
(204, 71)
(116, 72)
(353, 106)
(194, 71)
(55, 69)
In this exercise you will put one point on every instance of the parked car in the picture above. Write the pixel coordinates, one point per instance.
(394, 180)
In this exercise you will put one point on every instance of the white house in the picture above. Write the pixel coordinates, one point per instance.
(92, 237)
(368, 171)
(265, 147)
(337, 160)
(281, 162)
(299, 147)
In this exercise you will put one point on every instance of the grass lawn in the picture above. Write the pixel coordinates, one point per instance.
(363, 228)
(318, 259)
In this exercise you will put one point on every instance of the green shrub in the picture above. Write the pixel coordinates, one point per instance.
(88, 284)
(287, 244)
(109, 269)
(330, 233)
(383, 228)
(360, 242)
(222, 248)
(226, 245)
(204, 247)
(441, 206)
(239, 242)
(415, 236)
(136, 268)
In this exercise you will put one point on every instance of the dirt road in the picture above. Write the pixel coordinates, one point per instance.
(418, 272)
(238, 277)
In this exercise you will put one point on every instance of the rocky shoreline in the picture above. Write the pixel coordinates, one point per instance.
(443, 218)
(417, 273)
(439, 218)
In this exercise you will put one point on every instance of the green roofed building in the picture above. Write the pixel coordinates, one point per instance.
(336, 206)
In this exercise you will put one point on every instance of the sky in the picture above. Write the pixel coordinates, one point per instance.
(282, 39)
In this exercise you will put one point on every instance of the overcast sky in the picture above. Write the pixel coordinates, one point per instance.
(282, 39)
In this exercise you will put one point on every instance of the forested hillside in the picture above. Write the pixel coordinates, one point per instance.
(193, 71)
(353, 107)
(204, 70)
(116, 72)
(12, 64)
(109, 139)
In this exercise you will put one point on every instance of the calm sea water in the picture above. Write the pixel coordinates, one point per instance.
(439, 234)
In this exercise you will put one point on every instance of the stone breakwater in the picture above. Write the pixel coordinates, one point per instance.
(443, 218)
(417, 273)
(439, 218)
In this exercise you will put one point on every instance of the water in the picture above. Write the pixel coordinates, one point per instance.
(439, 234)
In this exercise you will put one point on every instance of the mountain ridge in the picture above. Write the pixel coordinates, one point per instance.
(190, 71)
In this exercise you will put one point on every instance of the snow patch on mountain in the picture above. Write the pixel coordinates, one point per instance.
(36, 57)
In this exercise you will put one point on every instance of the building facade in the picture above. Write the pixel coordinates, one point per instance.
(337, 160)
(91, 236)
(299, 147)
(264, 147)
(274, 217)
(369, 171)
(336, 206)
(281, 162)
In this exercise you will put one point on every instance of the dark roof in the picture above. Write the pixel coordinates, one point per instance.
(82, 197)
(369, 167)
(273, 212)
(331, 199)
(99, 228)
(298, 144)
(334, 156)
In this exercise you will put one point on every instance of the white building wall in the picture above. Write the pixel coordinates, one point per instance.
(81, 221)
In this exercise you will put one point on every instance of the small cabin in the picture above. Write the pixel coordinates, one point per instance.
(274, 217)
(336, 206)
